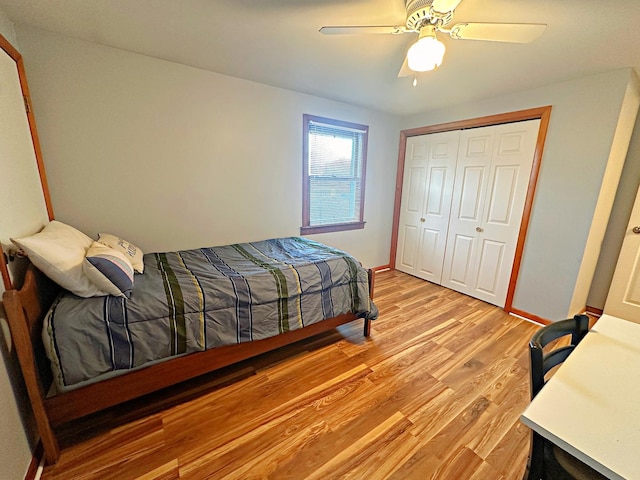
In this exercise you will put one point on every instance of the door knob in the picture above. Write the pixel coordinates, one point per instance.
(422, 220)
(636, 229)
(479, 229)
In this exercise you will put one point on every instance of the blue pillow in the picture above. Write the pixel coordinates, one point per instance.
(109, 270)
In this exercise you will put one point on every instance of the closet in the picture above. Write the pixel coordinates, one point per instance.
(463, 196)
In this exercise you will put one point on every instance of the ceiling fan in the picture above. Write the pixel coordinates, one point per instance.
(429, 17)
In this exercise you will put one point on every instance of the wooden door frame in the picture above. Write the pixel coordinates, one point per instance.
(541, 113)
(22, 76)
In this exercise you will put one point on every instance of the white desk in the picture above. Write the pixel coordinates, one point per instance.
(591, 405)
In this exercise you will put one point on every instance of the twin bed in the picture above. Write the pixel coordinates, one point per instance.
(189, 313)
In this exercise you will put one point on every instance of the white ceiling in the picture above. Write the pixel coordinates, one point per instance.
(276, 42)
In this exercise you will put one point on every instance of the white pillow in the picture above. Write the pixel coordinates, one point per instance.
(134, 253)
(109, 269)
(58, 251)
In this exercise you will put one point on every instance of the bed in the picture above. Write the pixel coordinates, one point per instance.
(189, 313)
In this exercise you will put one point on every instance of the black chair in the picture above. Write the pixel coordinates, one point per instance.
(546, 460)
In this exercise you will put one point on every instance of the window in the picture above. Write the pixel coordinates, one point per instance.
(334, 160)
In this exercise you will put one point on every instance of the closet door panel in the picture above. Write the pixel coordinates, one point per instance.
(506, 194)
(442, 158)
(430, 261)
(461, 265)
(478, 142)
(471, 193)
(415, 195)
(412, 204)
(437, 194)
(429, 173)
(490, 267)
(467, 209)
(501, 200)
(409, 249)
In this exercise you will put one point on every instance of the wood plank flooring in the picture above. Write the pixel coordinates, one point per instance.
(434, 393)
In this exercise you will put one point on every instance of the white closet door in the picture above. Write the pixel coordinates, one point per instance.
(492, 177)
(472, 176)
(429, 173)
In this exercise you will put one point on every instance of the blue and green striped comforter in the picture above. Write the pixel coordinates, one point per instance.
(194, 300)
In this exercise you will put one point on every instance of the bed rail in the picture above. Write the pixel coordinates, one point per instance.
(26, 309)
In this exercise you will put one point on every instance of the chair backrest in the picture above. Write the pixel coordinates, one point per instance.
(540, 464)
(541, 361)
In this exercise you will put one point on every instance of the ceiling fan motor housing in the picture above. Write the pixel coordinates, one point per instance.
(419, 13)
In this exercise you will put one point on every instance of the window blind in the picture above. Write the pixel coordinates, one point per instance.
(335, 166)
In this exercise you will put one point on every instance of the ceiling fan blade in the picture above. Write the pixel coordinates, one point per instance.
(445, 6)
(498, 32)
(405, 71)
(393, 29)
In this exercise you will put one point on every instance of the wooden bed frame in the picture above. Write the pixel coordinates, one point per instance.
(26, 309)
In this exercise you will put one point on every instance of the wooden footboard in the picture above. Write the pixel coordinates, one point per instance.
(26, 309)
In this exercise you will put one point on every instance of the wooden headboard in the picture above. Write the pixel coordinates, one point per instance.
(26, 309)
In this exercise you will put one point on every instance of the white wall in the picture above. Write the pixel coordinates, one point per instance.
(172, 157)
(584, 120)
(15, 449)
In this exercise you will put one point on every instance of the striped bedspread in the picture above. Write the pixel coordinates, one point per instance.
(194, 300)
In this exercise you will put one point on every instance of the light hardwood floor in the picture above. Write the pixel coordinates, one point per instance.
(434, 393)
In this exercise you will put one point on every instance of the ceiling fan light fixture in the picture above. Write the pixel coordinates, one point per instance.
(427, 53)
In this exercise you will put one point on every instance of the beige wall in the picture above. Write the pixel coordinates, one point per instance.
(584, 120)
(173, 157)
(15, 426)
(119, 160)
(617, 226)
(608, 188)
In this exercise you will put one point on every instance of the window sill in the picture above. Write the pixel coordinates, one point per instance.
(338, 227)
